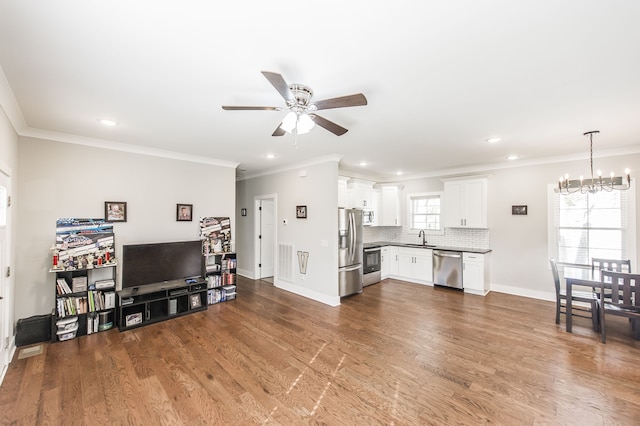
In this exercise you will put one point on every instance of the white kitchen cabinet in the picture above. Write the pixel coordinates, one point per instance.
(360, 192)
(385, 262)
(393, 261)
(343, 192)
(389, 206)
(465, 203)
(415, 264)
(475, 273)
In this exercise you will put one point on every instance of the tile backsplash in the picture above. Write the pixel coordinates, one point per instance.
(453, 237)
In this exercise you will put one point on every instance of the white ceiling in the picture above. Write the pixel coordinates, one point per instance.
(441, 77)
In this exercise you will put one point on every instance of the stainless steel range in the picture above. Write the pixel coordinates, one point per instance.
(371, 266)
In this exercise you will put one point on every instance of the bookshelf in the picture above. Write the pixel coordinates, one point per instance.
(85, 301)
(84, 264)
(220, 274)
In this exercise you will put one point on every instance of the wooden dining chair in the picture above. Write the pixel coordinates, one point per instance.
(585, 307)
(625, 299)
(618, 265)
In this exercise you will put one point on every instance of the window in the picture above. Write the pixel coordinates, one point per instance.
(424, 212)
(593, 225)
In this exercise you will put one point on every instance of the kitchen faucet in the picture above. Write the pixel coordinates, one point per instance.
(423, 235)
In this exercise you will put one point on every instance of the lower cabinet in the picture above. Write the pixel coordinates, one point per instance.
(384, 262)
(158, 302)
(475, 273)
(415, 264)
(393, 261)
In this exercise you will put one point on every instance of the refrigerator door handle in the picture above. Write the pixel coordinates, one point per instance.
(350, 268)
(352, 225)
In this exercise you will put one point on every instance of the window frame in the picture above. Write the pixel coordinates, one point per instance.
(416, 231)
(628, 226)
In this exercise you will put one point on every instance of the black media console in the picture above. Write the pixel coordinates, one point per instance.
(148, 304)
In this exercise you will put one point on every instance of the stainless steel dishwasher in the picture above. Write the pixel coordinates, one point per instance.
(447, 268)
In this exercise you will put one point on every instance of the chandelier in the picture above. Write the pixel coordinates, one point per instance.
(594, 184)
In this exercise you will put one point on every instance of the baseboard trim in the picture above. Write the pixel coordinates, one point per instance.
(245, 273)
(309, 294)
(524, 292)
(12, 351)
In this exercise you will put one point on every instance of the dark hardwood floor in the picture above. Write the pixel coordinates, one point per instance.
(398, 354)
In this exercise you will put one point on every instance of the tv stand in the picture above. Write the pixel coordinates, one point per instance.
(148, 304)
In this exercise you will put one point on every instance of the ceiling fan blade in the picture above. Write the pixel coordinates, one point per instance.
(279, 131)
(329, 125)
(281, 86)
(250, 108)
(344, 101)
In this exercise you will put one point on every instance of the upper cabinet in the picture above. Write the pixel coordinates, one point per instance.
(343, 194)
(465, 203)
(360, 192)
(389, 205)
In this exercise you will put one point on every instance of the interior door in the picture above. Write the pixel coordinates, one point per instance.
(267, 228)
(5, 332)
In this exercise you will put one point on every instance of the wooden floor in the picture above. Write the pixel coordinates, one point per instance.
(398, 354)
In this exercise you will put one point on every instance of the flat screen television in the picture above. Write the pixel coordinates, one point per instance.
(160, 262)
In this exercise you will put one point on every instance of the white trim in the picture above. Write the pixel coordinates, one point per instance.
(305, 292)
(256, 232)
(411, 231)
(629, 227)
(10, 106)
(12, 351)
(118, 146)
(294, 166)
(524, 292)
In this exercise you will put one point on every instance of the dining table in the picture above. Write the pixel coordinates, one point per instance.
(590, 278)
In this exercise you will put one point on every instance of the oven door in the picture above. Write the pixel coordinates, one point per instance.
(371, 260)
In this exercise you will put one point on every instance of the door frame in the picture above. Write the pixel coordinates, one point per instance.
(7, 340)
(256, 233)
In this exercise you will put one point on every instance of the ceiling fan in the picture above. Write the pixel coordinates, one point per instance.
(301, 115)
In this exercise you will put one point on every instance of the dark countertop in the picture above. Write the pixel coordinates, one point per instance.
(432, 247)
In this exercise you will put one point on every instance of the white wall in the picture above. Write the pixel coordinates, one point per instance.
(520, 259)
(66, 180)
(317, 234)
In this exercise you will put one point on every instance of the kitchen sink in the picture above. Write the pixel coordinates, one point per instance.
(420, 245)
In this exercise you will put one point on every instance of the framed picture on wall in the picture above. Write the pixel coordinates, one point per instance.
(301, 212)
(519, 210)
(184, 212)
(115, 211)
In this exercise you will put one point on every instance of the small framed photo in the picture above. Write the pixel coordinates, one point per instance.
(301, 212)
(519, 210)
(115, 211)
(184, 212)
(195, 301)
(133, 319)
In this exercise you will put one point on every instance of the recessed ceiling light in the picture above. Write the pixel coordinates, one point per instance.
(512, 157)
(107, 122)
(399, 172)
(363, 163)
(493, 140)
(270, 156)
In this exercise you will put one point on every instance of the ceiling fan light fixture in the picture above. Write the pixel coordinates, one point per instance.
(301, 123)
(305, 124)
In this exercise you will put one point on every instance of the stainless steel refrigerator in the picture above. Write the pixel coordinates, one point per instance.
(349, 251)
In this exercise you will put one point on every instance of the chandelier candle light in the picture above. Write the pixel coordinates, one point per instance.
(594, 184)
